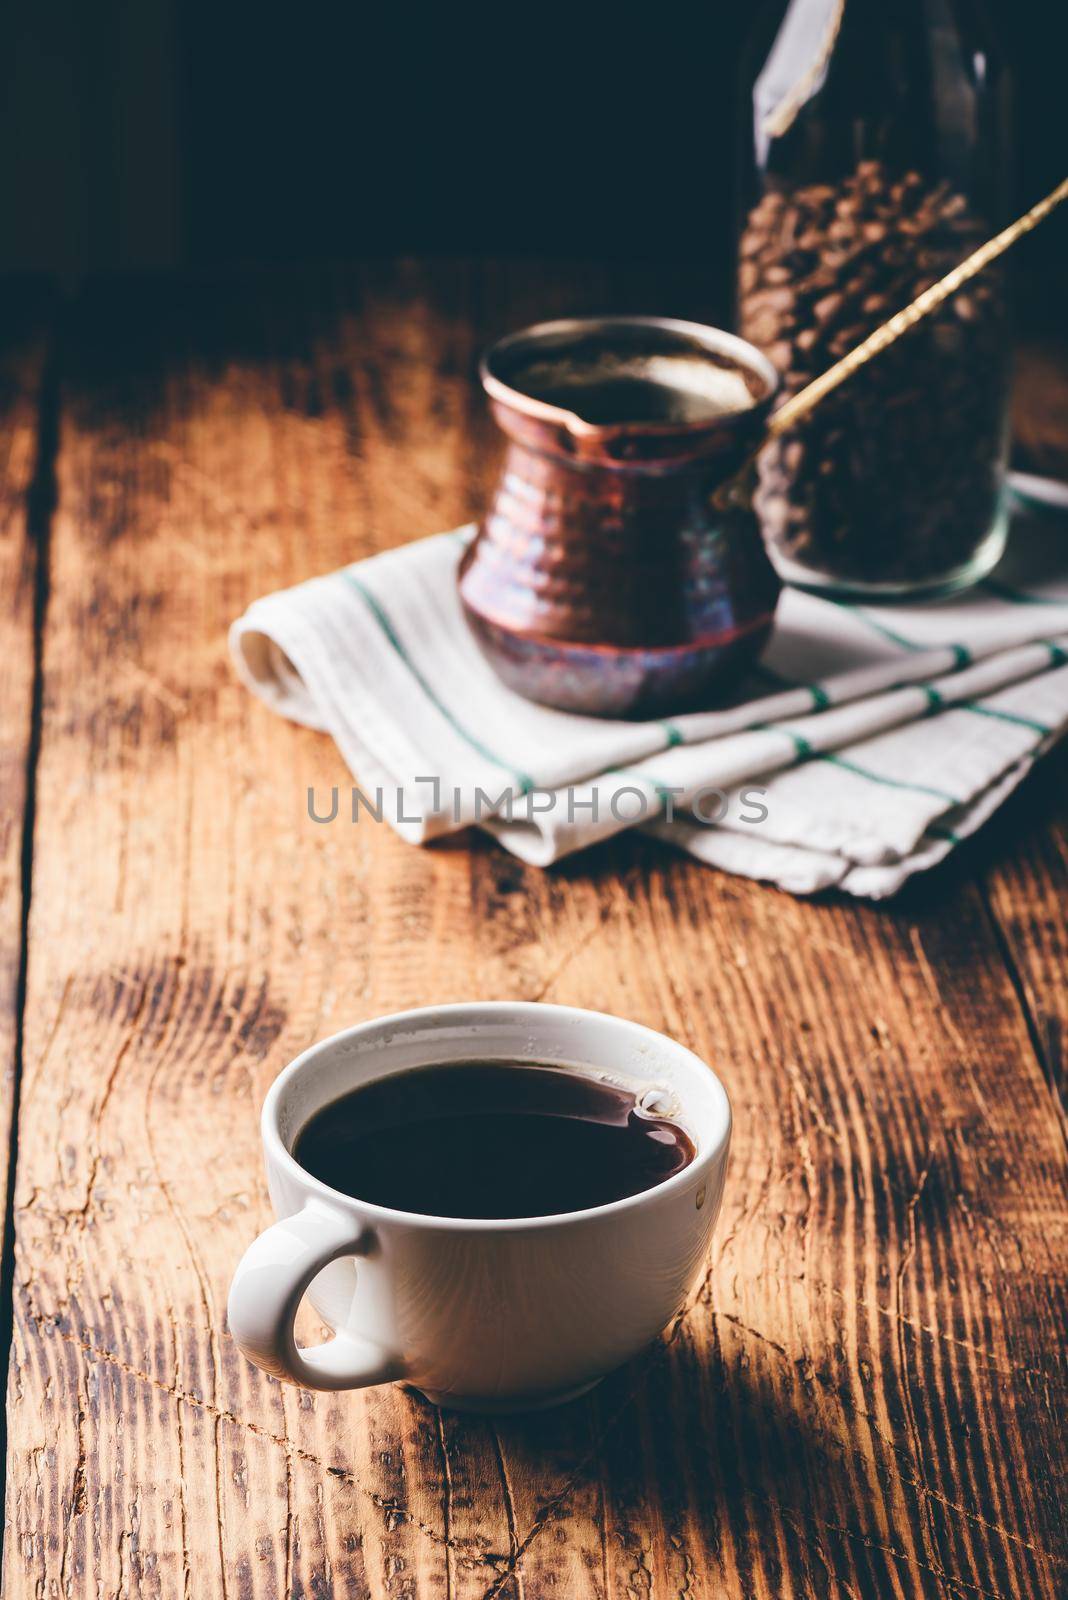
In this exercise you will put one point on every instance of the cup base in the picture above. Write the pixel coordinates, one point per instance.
(506, 1405)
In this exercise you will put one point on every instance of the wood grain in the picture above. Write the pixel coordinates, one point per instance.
(1025, 881)
(864, 1397)
(26, 321)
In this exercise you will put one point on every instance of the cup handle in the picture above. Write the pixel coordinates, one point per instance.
(268, 1286)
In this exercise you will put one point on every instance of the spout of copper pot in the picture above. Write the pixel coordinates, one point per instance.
(580, 429)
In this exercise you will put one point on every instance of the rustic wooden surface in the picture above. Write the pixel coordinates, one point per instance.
(866, 1398)
(26, 316)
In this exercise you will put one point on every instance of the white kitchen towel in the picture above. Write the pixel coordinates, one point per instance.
(867, 743)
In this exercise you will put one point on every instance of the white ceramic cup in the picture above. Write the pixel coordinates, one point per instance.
(479, 1314)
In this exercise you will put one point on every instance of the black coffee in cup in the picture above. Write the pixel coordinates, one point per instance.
(492, 1139)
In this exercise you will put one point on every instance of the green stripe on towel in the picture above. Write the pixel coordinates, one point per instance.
(805, 752)
(820, 698)
(525, 781)
(962, 656)
(937, 702)
(877, 627)
(802, 748)
(888, 783)
(1006, 716)
(801, 745)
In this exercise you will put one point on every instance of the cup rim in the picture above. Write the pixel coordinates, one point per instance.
(717, 341)
(708, 1153)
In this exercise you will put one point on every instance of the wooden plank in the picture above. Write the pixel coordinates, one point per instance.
(26, 316)
(1026, 891)
(24, 334)
(1040, 405)
(862, 1399)
(1026, 881)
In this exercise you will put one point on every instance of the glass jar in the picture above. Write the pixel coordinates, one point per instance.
(876, 160)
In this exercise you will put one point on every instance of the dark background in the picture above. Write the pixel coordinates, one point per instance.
(152, 133)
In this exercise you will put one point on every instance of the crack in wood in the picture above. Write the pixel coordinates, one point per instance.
(509, 1498)
(992, 1364)
(816, 1546)
(855, 1535)
(39, 505)
(446, 1509)
(553, 1507)
(220, 1414)
(100, 1110)
(751, 1210)
(78, 1499)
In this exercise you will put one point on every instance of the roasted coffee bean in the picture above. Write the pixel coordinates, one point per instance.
(826, 309)
(894, 478)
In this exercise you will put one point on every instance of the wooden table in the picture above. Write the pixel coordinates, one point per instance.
(867, 1396)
